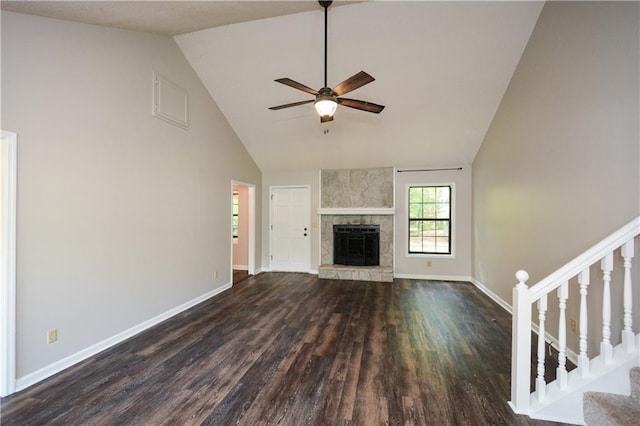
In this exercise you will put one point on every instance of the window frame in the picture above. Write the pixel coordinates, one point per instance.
(235, 202)
(452, 221)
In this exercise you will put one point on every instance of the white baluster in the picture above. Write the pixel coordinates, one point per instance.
(561, 371)
(521, 345)
(627, 332)
(606, 350)
(583, 359)
(540, 383)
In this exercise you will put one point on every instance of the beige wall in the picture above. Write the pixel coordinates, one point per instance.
(558, 169)
(121, 216)
(457, 266)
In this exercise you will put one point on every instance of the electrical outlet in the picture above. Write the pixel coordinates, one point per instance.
(574, 325)
(215, 274)
(428, 264)
(52, 336)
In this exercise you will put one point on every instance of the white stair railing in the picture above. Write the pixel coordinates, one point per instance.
(524, 297)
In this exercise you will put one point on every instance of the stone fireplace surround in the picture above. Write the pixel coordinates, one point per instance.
(357, 197)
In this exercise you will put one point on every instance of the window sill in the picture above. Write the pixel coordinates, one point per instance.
(431, 255)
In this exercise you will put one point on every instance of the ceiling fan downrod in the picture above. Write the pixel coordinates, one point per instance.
(326, 5)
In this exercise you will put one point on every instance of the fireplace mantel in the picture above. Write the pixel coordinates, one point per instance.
(360, 211)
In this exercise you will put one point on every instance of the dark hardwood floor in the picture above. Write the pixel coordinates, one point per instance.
(239, 276)
(289, 349)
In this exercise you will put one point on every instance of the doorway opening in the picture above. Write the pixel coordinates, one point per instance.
(242, 230)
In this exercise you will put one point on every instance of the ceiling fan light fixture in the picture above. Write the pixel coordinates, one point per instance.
(326, 105)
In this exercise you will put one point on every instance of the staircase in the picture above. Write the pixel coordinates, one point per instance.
(604, 409)
(609, 265)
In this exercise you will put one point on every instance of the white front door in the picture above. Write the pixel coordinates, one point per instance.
(289, 229)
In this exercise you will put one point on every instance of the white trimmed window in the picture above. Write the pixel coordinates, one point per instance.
(235, 214)
(430, 219)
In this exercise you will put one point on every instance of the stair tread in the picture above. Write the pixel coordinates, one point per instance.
(634, 375)
(609, 409)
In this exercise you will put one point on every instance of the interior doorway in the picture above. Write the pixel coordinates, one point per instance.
(242, 231)
(8, 186)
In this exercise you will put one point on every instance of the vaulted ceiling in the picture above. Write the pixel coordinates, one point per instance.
(441, 69)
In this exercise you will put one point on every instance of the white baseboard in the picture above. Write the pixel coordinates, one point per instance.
(483, 288)
(241, 267)
(571, 355)
(265, 269)
(432, 277)
(51, 369)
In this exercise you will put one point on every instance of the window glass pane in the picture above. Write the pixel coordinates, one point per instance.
(429, 211)
(415, 244)
(235, 209)
(442, 228)
(415, 228)
(429, 194)
(429, 245)
(428, 229)
(443, 211)
(415, 194)
(442, 245)
(415, 211)
(443, 194)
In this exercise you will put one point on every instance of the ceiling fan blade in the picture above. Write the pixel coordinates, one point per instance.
(296, 85)
(275, 108)
(326, 118)
(362, 105)
(352, 83)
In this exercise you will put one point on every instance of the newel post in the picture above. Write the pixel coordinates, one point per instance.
(521, 345)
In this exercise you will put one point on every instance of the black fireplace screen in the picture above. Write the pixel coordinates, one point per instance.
(357, 245)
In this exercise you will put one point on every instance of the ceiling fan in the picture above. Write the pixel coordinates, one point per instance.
(326, 99)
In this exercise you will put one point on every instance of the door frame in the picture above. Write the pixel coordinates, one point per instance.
(251, 238)
(308, 220)
(8, 264)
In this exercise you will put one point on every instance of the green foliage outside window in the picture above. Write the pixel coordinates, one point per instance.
(430, 219)
(235, 215)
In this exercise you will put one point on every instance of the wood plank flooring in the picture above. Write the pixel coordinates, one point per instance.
(289, 349)
(239, 276)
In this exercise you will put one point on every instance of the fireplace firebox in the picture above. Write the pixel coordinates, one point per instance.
(356, 245)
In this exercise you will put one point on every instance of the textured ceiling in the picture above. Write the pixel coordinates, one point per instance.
(441, 69)
(160, 17)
